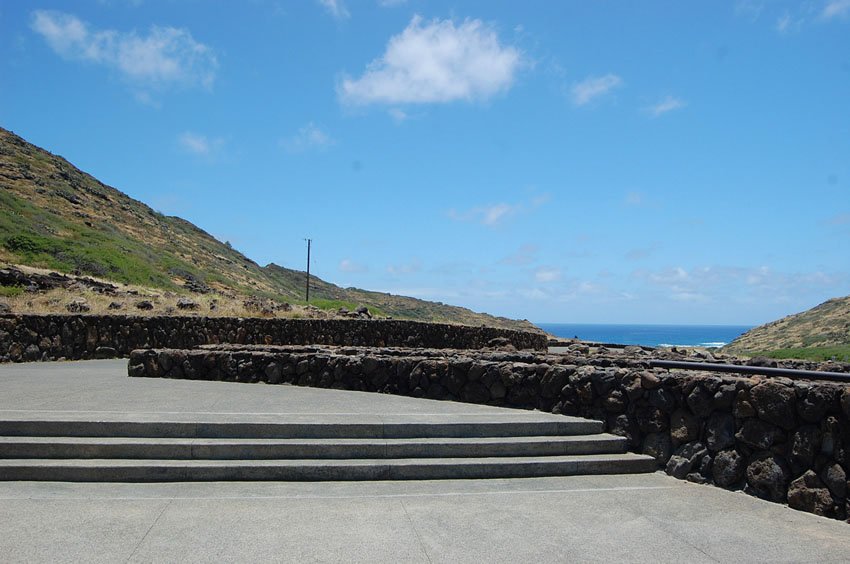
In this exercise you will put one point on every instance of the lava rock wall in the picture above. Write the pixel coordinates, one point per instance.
(52, 337)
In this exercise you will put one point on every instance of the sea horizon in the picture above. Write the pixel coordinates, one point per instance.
(648, 334)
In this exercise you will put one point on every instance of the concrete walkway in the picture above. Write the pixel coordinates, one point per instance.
(642, 518)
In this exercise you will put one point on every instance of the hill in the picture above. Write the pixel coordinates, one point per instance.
(819, 333)
(56, 217)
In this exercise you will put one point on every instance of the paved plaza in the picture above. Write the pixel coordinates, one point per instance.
(640, 518)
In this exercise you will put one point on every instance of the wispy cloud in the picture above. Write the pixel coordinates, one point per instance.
(308, 137)
(593, 87)
(665, 105)
(398, 115)
(165, 56)
(198, 144)
(336, 8)
(433, 62)
(407, 268)
(350, 266)
(836, 9)
(717, 283)
(390, 3)
(525, 255)
(493, 215)
(546, 274)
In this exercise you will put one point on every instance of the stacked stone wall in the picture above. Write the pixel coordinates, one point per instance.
(53, 337)
(779, 439)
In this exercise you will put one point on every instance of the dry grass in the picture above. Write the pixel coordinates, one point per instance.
(164, 303)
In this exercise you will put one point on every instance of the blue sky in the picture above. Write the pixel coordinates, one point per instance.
(631, 162)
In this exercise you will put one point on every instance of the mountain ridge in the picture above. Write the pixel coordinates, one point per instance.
(55, 216)
(825, 325)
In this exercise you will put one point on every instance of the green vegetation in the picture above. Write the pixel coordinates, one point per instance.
(11, 291)
(819, 354)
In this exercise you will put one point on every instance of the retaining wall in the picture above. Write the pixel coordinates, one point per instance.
(781, 440)
(51, 337)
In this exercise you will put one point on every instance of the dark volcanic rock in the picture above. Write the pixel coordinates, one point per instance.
(759, 434)
(144, 305)
(78, 305)
(808, 493)
(700, 401)
(684, 427)
(186, 303)
(686, 457)
(720, 431)
(658, 446)
(767, 475)
(728, 468)
(775, 403)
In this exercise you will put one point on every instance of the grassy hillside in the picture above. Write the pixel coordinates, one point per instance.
(820, 333)
(54, 216)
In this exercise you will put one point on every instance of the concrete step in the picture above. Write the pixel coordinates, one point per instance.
(259, 449)
(300, 429)
(99, 470)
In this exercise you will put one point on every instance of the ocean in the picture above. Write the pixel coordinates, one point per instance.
(649, 335)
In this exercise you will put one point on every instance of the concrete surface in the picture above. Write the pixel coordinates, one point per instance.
(639, 518)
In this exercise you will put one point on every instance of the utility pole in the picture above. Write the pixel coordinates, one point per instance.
(308, 269)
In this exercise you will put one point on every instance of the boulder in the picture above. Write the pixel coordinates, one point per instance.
(767, 476)
(720, 431)
(759, 434)
(186, 303)
(808, 493)
(835, 478)
(685, 459)
(78, 305)
(700, 401)
(775, 403)
(684, 427)
(805, 444)
(728, 469)
(658, 446)
(115, 305)
(144, 305)
(818, 401)
(5, 308)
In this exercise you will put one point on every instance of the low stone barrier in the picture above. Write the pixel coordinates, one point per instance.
(778, 439)
(52, 337)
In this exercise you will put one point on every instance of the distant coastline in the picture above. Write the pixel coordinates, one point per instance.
(649, 335)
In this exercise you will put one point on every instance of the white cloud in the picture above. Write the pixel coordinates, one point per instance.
(198, 144)
(308, 137)
(668, 104)
(348, 265)
(493, 215)
(335, 8)
(391, 3)
(836, 8)
(165, 56)
(489, 215)
(398, 115)
(547, 274)
(717, 283)
(436, 61)
(593, 87)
